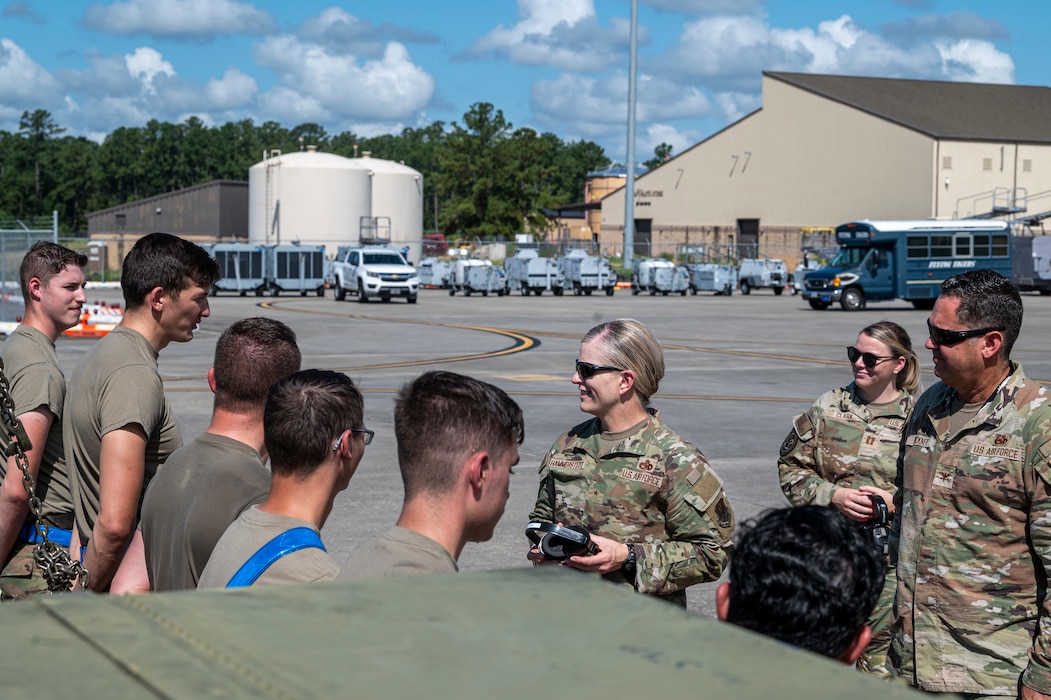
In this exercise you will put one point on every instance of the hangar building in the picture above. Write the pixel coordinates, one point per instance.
(823, 150)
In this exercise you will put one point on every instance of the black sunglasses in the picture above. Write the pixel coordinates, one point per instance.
(586, 370)
(869, 359)
(950, 338)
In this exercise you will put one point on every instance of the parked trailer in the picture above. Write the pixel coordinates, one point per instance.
(297, 268)
(584, 274)
(713, 277)
(756, 273)
(1032, 263)
(435, 273)
(655, 275)
(526, 271)
(471, 275)
(243, 268)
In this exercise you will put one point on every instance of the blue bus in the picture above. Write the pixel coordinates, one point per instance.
(885, 260)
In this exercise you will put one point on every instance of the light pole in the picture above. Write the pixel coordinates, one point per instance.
(629, 193)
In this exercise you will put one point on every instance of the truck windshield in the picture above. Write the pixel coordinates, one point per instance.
(383, 259)
(849, 257)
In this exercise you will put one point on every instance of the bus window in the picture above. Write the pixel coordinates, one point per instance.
(849, 257)
(981, 245)
(941, 246)
(962, 245)
(918, 246)
(1000, 246)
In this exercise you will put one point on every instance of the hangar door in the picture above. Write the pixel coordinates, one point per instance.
(747, 238)
(643, 237)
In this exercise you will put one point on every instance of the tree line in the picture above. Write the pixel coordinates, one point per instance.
(482, 176)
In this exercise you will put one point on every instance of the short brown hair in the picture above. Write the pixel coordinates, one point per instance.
(305, 414)
(441, 418)
(45, 260)
(165, 261)
(250, 356)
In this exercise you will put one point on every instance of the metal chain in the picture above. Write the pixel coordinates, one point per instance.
(57, 567)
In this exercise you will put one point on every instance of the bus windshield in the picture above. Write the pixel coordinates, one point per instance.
(849, 257)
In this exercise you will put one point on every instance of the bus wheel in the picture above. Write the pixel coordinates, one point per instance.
(818, 305)
(853, 299)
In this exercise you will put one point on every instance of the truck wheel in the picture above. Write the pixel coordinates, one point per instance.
(576, 290)
(664, 293)
(538, 291)
(853, 299)
(609, 291)
(363, 298)
(275, 291)
(338, 292)
(485, 294)
(745, 287)
(634, 289)
(524, 290)
(321, 291)
(653, 291)
(779, 291)
(682, 292)
(557, 291)
(411, 299)
(452, 291)
(467, 291)
(693, 290)
(213, 291)
(818, 305)
(259, 291)
(587, 292)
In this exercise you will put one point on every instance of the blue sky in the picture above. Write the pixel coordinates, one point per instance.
(553, 65)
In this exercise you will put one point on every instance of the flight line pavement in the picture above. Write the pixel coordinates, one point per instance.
(739, 369)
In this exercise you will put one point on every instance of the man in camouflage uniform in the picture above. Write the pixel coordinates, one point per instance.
(652, 490)
(53, 287)
(974, 523)
(843, 443)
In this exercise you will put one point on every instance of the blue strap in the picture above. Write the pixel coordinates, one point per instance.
(287, 542)
(30, 534)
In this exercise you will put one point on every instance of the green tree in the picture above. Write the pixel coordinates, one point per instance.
(661, 153)
(38, 128)
(469, 170)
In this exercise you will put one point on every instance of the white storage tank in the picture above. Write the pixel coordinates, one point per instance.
(307, 196)
(397, 202)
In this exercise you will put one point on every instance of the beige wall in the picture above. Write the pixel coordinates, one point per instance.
(983, 175)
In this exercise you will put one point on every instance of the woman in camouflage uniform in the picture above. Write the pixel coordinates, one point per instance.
(845, 448)
(649, 499)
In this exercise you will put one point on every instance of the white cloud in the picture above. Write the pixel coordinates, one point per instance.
(656, 134)
(146, 64)
(579, 97)
(976, 61)
(22, 80)
(388, 88)
(233, 90)
(703, 6)
(729, 53)
(189, 19)
(560, 33)
(292, 107)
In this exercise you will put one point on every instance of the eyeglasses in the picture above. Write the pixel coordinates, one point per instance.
(369, 434)
(945, 337)
(586, 370)
(869, 359)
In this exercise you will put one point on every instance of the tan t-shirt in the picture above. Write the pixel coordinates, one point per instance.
(247, 535)
(115, 385)
(32, 369)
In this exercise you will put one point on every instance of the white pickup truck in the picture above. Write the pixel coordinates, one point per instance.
(372, 271)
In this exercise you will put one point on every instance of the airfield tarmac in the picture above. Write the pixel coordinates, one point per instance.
(738, 369)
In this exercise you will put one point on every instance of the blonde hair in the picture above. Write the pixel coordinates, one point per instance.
(897, 339)
(628, 344)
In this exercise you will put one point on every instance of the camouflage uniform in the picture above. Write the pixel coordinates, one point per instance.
(652, 489)
(841, 443)
(974, 544)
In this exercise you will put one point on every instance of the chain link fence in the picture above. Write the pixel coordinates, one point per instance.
(17, 236)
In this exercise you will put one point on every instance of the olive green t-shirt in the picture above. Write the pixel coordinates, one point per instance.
(114, 386)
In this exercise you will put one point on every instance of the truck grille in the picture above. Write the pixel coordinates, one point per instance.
(816, 284)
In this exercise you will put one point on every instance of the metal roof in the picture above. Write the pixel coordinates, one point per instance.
(942, 110)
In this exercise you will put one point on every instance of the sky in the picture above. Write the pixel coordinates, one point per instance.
(553, 65)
